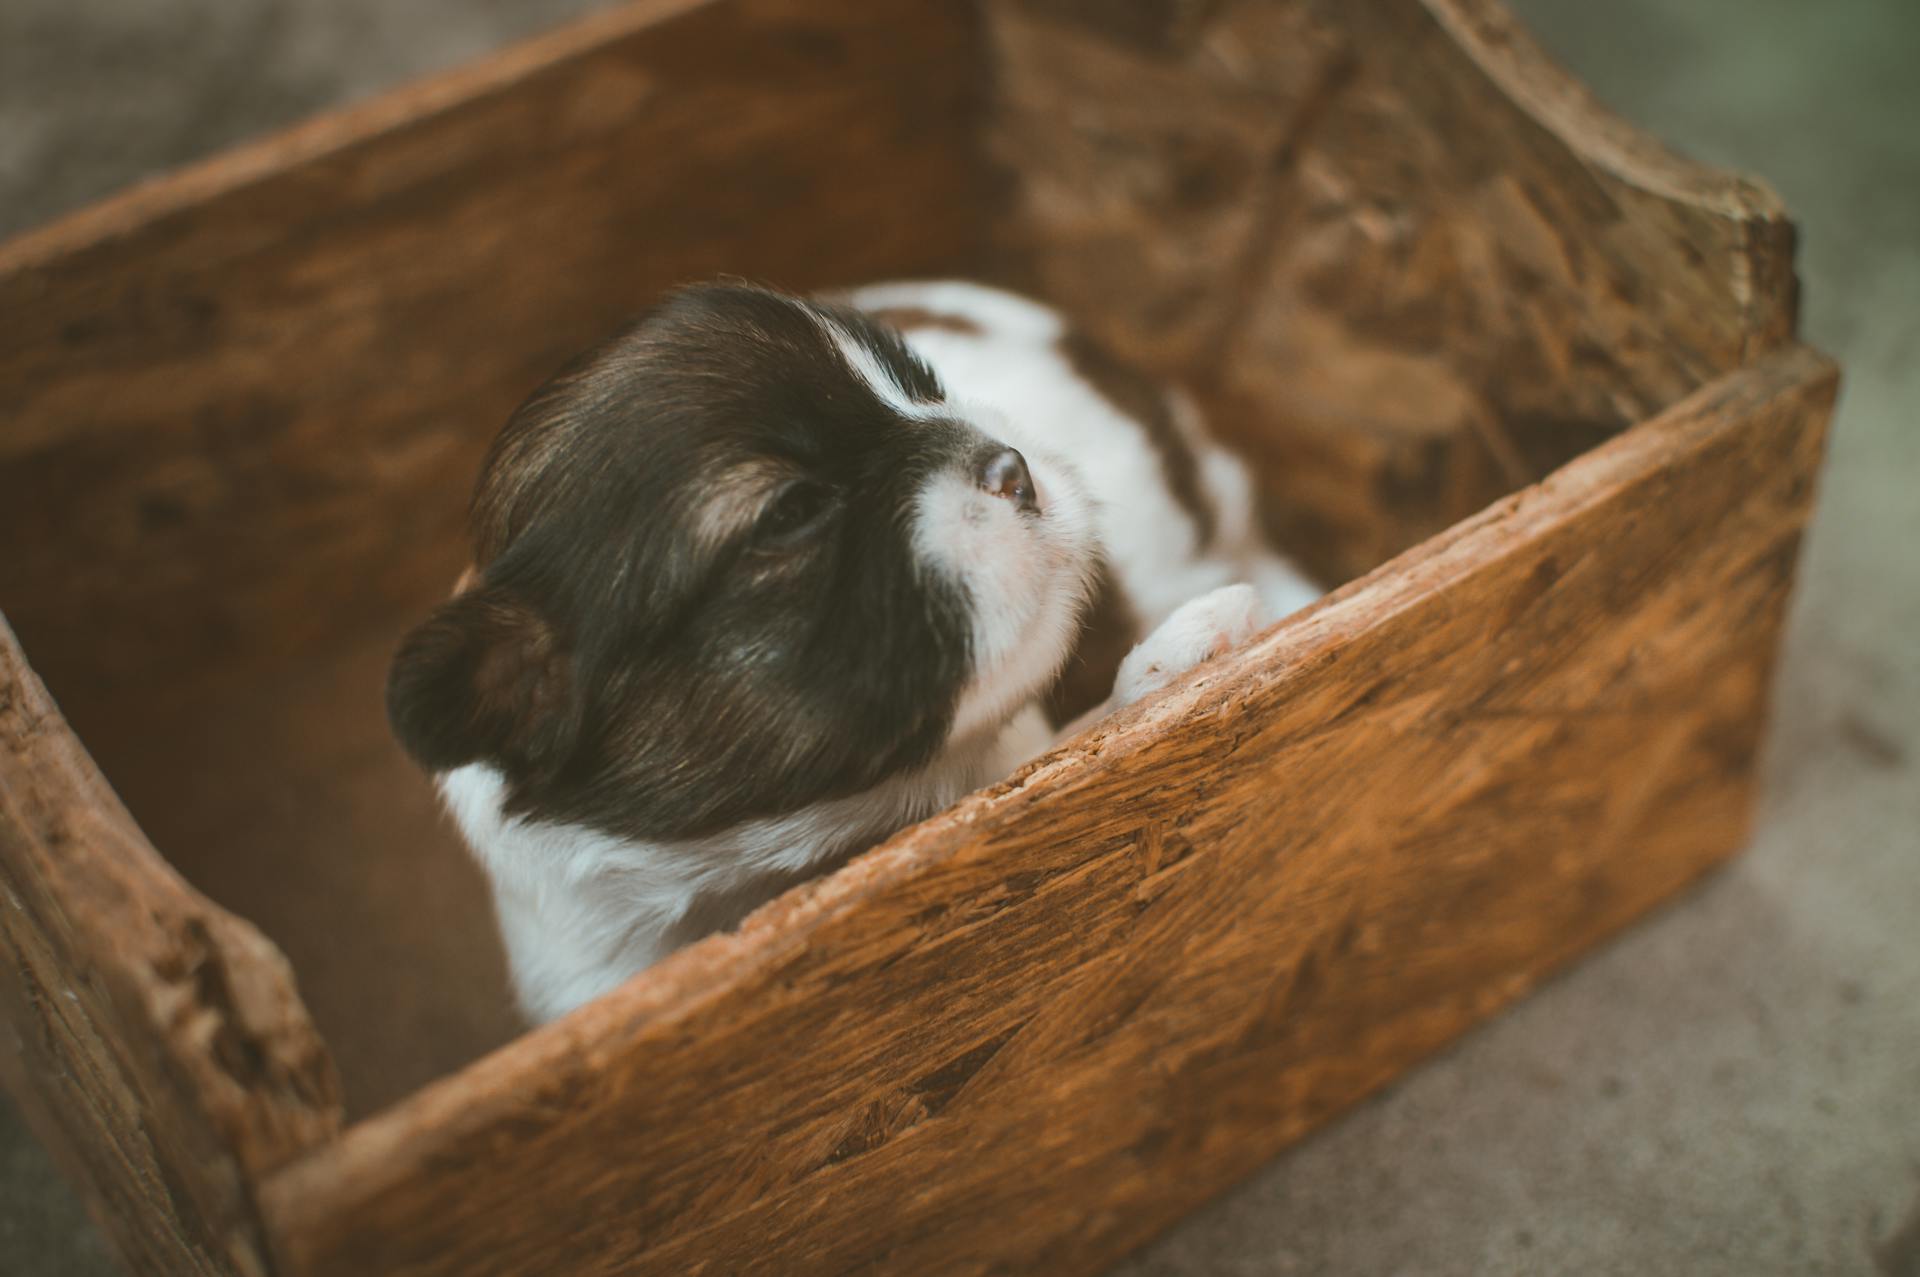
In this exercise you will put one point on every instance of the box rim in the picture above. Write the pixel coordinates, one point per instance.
(1496, 41)
(1540, 86)
(1484, 29)
(271, 154)
(1294, 648)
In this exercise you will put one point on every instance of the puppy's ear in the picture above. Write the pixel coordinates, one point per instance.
(483, 679)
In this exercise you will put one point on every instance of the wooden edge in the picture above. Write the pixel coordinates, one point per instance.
(562, 1057)
(184, 189)
(158, 1043)
(1509, 55)
(1761, 238)
(1761, 270)
(1763, 282)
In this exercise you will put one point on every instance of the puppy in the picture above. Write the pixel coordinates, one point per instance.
(764, 579)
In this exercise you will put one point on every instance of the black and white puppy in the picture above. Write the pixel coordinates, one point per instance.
(764, 579)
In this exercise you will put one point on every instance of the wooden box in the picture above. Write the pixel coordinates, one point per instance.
(1523, 379)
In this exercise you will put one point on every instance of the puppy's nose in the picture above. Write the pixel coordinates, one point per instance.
(1004, 474)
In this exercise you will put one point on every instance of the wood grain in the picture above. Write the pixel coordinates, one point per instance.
(282, 794)
(245, 407)
(1404, 258)
(156, 1043)
(1410, 261)
(297, 353)
(1029, 1033)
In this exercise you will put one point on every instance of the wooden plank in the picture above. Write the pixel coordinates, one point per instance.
(283, 796)
(244, 407)
(1033, 1031)
(1410, 262)
(155, 1043)
(297, 352)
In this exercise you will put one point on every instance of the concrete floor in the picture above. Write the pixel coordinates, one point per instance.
(1732, 1088)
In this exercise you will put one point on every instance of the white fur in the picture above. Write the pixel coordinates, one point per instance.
(868, 369)
(1199, 630)
(581, 911)
(1027, 577)
(1013, 374)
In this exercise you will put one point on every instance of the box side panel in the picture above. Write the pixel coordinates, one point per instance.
(155, 1043)
(244, 411)
(246, 424)
(1030, 1033)
(1409, 263)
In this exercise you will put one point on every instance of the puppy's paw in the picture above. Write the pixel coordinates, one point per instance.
(1199, 630)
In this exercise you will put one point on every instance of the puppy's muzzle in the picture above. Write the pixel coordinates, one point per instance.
(1002, 472)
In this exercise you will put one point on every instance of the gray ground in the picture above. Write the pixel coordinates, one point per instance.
(1732, 1088)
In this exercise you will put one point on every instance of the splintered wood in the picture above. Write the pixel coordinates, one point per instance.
(244, 409)
(1451, 309)
(1028, 1034)
(157, 1044)
(1351, 226)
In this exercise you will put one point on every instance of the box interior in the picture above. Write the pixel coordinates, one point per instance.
(263, 479)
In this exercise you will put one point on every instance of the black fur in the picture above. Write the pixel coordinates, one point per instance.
(642, 655)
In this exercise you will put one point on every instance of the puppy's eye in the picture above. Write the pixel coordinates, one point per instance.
(799, 510)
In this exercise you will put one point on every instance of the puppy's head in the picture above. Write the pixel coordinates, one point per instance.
(745, 557)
